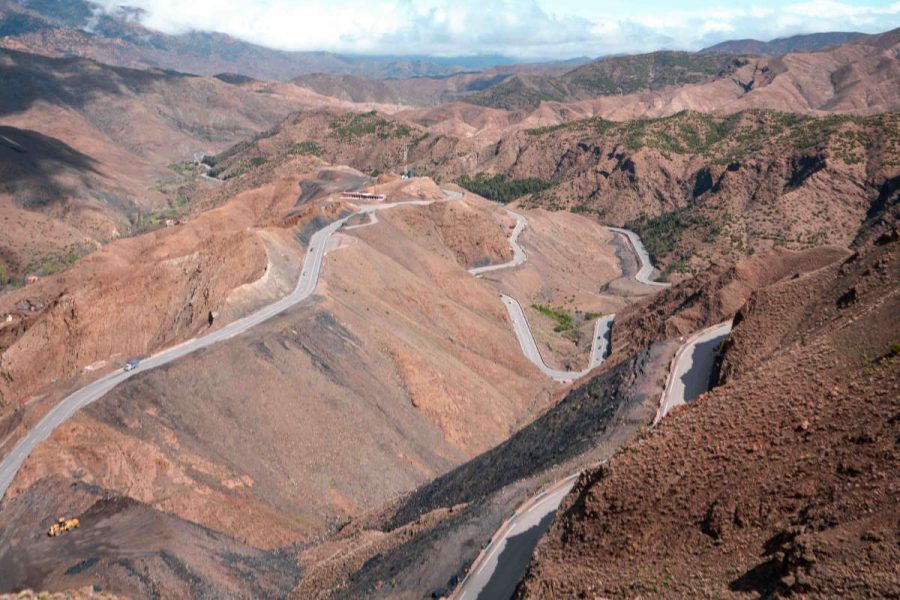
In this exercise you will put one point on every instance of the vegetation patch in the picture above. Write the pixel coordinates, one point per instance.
(212, 161)
(185, 168)
(564, 321)
(661, 234)
(348, 127)
(516, 94)
(734, 138)
(308, 147)
(627, 74)
(501, 188)
(592, 125)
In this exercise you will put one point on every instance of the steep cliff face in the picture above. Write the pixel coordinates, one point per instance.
(779, 481)
(704, 190)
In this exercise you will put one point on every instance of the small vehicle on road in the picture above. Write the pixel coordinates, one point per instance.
(131, 364)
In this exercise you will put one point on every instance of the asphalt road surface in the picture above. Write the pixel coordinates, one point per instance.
(599, 343)
(519, 256)
(496, 573)
(646, 270)
(693, 366)
(495, 578)
(309, 277)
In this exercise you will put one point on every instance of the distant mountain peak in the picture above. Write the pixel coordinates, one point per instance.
(805, 42)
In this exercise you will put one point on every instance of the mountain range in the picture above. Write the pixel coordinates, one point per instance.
(305, 325)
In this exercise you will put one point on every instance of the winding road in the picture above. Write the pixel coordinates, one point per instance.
(509, 551)
(691, 368)
(507, 541)
(602, 328)
(497, 570)
(306, 285)
(501, 564)
(599, 344)
(646, 270)
(519, 256)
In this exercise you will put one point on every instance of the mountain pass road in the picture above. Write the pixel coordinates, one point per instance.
(306, 285)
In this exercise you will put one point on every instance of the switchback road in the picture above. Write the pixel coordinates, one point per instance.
(643, 274)
(692, 368)
(497, 570)
(599, 343)
(519, 256)
(309, 277)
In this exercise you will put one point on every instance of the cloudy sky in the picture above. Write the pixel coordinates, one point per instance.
(517, 28)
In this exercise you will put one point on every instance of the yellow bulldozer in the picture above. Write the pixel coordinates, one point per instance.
(62, 525)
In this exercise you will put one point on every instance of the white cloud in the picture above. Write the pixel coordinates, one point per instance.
(517, 28)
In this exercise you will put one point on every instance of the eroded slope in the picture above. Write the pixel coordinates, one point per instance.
(780, 481)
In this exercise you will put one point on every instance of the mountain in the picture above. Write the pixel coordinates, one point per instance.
(609, 76)
(90, 153)
(822, 80)
(766, 177)
(368, 438)
(400, 350)
(779, 481)
(700, 189)
(796, 43)
(83, 28)
(426, 91)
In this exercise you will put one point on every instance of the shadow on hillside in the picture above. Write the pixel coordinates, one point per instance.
(329, 181)
(579, 422)
(70, 82)
(29, 160)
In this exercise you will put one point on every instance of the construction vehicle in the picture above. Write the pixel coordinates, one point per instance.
(63, 525)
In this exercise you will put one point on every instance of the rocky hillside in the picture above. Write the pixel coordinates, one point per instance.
(699, 189)
(427, 539)
(828, 80)
(400, 349)
(179, 558)
(90, 153)
(780, 481)
(609, 76)
(424, 91)
(702, 189)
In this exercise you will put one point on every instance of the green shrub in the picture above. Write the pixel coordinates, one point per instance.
(501, 188)
(661, 234)
(563, 319)
(348, 127)
(307, 147)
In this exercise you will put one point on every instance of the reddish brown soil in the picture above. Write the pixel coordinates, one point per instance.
(71, 594)
(782, 481)
(771, 181)
(709, 298)
(98, 151)
(401, 350)
(128, 548)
